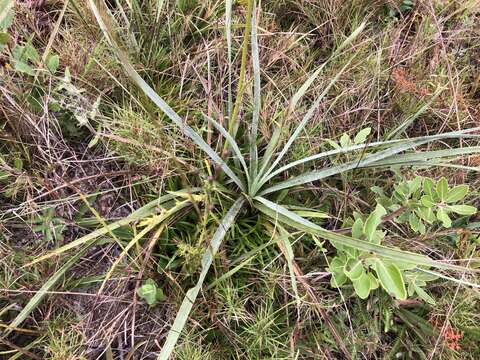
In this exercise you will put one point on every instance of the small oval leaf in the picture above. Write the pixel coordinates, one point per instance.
(391, 279)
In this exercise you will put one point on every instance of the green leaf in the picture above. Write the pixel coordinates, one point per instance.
(357, 229)
(427, 201)
(6, 13)
(353, 269)
(391, 279)
(373, 220)
(456, 194)
(414, 222)
(442, 189)
(462, 209)
(191, 295)
(31, 53)
(53, 61)
(337, 264)
(148, 292)
(427, 214)
(423, 294)
(338, 279)
(23, 68)
(444, 218)
(361, 137)
(4, 38)
(345, 140)
(373, 281)
(428, 187)
(362, 286)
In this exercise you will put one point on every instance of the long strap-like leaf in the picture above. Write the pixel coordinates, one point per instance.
(152, 95)
(449, 135)
(256, 96)
(306, 118)
(303, 89)
(191, 295)
(279, 213)
(321, 174)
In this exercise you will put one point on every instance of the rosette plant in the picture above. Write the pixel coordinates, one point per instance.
(253, 175)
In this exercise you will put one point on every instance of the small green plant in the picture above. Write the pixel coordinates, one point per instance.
(150, 292)
(366, 271)
(49, 225)
(422, 203)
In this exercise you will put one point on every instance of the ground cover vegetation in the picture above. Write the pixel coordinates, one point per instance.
(239, 179)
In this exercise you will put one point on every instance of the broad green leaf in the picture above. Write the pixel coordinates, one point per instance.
(4, 38)
(357, 229)
(456, 194)
(429, 187)
(337, 264)
(444, 218)
(373, 220)
(391, 279)
(362, 135)
(191, 295)
(6, 13)
(414, 222)
(373, 281)
(24, 68)
(53, 61)
(31, 53)
(442, 189)
(148, 292)
(426, 214)
(353, 269)
(462, 209)
(345, 141)
(427, 201)
(338, 279)
(362, 286)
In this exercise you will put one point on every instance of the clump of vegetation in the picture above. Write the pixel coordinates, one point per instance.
(180, 199)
